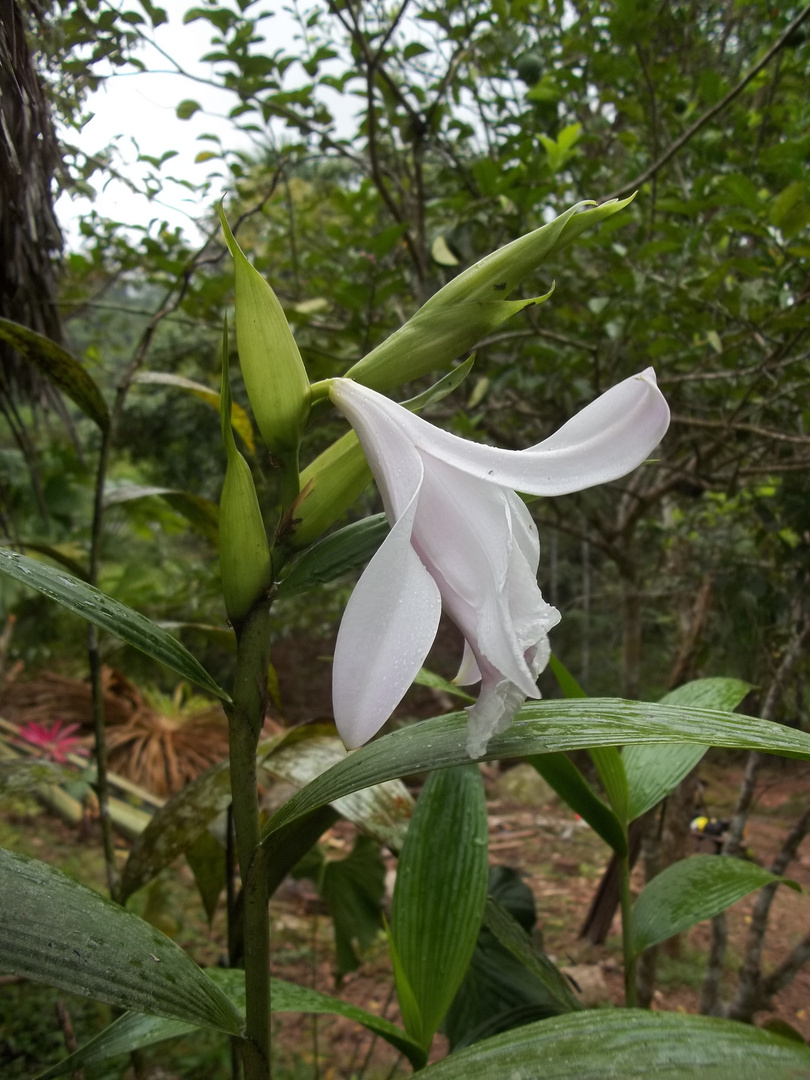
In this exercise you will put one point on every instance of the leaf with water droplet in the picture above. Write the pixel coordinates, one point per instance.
(90, 603)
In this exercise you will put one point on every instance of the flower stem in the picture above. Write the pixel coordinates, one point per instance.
(630, 999)
(319, 391)
(245, 720)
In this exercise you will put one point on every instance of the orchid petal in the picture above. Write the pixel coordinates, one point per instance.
(606, 440)
(524, 530)
(391, 455)
(468, 672)
(492, 713)
(385, 634)
(459, 513)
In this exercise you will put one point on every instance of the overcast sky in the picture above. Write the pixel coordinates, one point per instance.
(138, 111)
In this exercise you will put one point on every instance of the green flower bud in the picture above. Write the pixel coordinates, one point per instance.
(472, 304)
(244, 554)
(274, 373)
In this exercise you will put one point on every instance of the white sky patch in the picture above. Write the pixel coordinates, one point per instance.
(134, 113)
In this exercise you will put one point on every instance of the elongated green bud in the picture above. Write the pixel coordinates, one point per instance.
(244, 554)
(473, 304)
(274, 373)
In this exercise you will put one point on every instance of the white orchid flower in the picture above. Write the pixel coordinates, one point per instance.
(462, 539)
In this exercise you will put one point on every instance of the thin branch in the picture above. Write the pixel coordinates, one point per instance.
(394, 24)
(784, 974)
(750, 429)
(749, 997)
(710, 114)
(734, 837)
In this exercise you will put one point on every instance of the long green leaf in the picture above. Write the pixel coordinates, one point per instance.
(608, 762)
(95, 606)
(296, 756)
(690, 891)
(439, 896)
(56, 931)
(132, 1031)
(626, 1043)
(609, 765)
(60, 367)
(135, 1031)
(569, 783)
(654, 771)
(383, 810)
(540, 727)
(59, 554)
(513, 937)
(337, 554)
(176, 827)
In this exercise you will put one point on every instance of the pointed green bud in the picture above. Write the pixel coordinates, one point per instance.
(244, 554)
(474, 303)
(274, 373)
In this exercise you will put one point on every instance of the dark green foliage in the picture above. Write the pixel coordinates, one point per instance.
(353, 889)
(498, 991)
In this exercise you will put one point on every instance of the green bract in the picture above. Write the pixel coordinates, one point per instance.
(473, 304)
(244, 554)
(274, 373)
(329, 486)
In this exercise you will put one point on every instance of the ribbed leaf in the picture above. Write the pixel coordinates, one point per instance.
(63, 554)
(569, 783)
(383, 811)
(337, 554)
(609, 765)
(60, 367)
(56, 931)
(176, 827)
(654, 771)
(565, 680)
(626, 1043)
(608, 823)
(540, 727)
(690, 891)
(499, 991)
(440, 894)
(95, 606)
(206, 857)
(296, 756)
(513, 937)
(132, 1031)
(135, 1031)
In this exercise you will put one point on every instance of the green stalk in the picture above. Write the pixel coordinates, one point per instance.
(245, 720)
(290, 481)
(630, 998)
